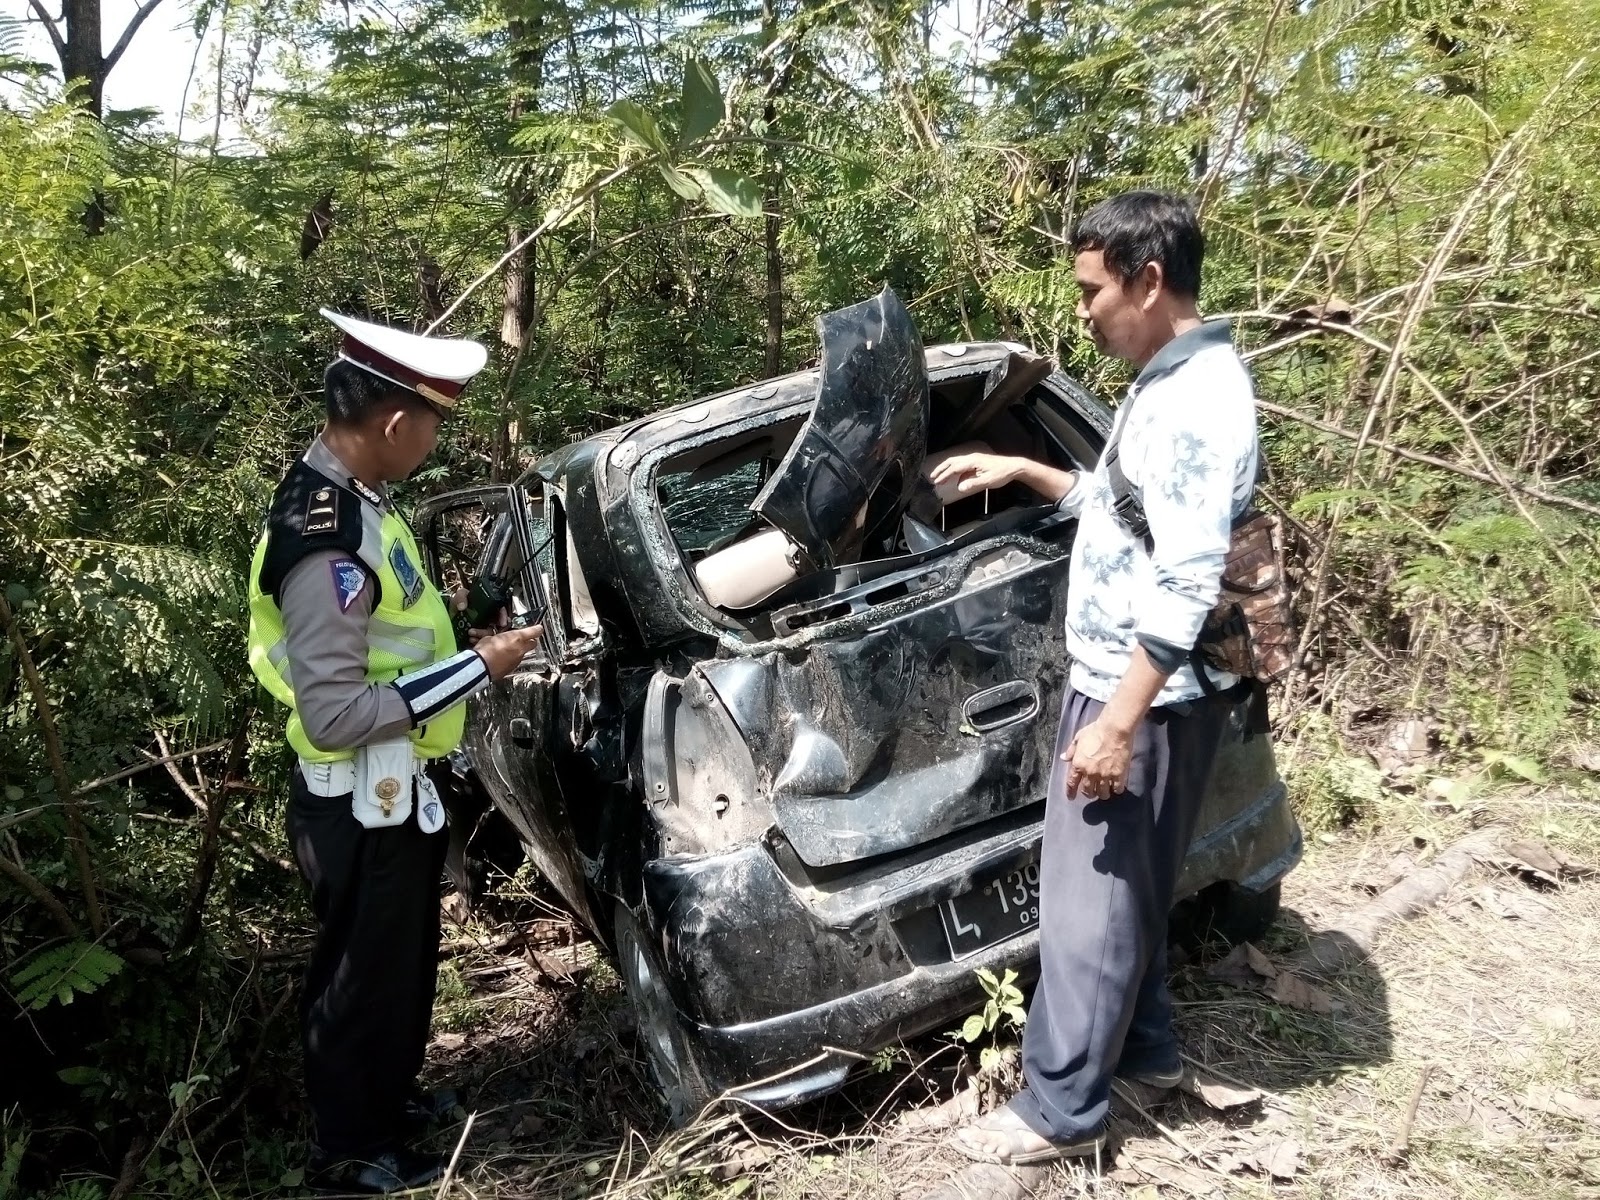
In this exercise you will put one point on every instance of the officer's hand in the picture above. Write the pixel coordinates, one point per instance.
(503, 652)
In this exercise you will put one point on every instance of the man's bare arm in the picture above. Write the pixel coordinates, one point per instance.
(967, 474)
(1102, 750)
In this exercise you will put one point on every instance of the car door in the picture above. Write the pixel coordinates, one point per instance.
(515, 725)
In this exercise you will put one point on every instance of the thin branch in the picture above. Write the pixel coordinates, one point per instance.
(233, 835)
(556, 217)
(29, 883)
(170, 762)
(205, 864)
(55, 34)
(241, 1084)
(1246, 93)
(84, 789)
(132, 28)
(1495, 473)
(1429, 460)
(58, 768)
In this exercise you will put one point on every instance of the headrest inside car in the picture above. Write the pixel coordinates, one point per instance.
(748, 571)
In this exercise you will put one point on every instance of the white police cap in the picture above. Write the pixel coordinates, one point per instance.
(435, 368)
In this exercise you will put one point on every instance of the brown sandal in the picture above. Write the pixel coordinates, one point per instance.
(1023, 1147)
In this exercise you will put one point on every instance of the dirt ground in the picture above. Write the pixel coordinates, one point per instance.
(1494, 993)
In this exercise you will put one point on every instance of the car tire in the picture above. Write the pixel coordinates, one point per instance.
(675, 1058)
(1237, 914)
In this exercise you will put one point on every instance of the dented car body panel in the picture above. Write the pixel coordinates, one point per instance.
(796, 801)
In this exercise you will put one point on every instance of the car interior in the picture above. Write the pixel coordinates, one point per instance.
(745, 567)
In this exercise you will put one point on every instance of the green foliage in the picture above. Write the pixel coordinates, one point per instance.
(63, 972)
(1430, 166)
(1002, 1014)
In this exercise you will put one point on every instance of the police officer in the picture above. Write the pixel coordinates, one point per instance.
(348, 632)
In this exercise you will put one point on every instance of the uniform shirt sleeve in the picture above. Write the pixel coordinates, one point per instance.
(325, 610)
(325, 632)
(1195, 453)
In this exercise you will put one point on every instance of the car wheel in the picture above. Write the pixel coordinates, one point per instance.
(674, 1057)
(1238, 914)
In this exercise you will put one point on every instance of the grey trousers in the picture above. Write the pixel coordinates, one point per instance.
(1107, 873)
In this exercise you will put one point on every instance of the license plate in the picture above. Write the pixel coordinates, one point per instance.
(992, 911)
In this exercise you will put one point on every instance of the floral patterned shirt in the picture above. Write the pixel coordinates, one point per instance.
(1190, 452)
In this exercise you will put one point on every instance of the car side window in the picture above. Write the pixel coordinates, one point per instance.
(486, 534)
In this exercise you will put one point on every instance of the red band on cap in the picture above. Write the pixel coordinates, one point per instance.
(429, 387)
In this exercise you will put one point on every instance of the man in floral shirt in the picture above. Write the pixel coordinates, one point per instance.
(1139, 728)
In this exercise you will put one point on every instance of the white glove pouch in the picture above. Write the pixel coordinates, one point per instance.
(385, 775)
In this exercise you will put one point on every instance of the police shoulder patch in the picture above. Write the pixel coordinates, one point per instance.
(322, 510)
(349, 577)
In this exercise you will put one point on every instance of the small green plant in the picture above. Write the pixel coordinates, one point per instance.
(454, 1007)
(1002, 1012)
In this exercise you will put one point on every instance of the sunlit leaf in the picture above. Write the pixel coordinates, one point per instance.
(703, 105)
(639, 125)
(727, 192)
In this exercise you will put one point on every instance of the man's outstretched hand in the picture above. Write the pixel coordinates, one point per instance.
(981, 471)
(970, 473)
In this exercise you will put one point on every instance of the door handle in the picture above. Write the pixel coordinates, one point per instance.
(522, 733)
(1002, 705)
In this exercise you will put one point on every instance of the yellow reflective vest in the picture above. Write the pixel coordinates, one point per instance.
(410, 624)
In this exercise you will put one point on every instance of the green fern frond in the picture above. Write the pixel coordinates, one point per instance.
(63, 972)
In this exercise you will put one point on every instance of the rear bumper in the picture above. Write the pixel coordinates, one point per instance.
(788, 984)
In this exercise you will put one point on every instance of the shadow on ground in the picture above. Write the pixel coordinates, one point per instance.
(564, 1105)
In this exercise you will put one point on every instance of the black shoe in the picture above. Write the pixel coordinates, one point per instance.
(424, 1108)
(375, 1174)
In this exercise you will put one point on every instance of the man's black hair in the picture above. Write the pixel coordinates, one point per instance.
(352, 394)
(1136, 228)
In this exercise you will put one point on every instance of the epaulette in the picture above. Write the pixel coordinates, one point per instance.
(309, 512)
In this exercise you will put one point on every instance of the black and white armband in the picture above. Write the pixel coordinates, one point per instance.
(434, 689)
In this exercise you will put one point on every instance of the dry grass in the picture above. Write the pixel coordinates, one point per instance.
(1498, 989)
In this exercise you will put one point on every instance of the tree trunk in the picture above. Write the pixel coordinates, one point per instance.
(517, 297)
(772, 200)
(82, 56)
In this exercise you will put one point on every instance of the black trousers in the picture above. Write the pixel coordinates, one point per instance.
(1106, 876)
(368, 995)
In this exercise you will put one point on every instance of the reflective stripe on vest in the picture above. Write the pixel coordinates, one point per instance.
(400, 637)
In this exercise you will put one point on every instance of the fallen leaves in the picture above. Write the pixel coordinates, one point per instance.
(1222, 1097)
(1280, 1160)
(1537, 864)
(1248, 968)
(1142, 1161)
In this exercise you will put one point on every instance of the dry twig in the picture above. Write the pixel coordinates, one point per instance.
(1400, 1147)
(76, 835)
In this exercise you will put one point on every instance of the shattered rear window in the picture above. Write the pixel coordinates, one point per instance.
(704, 512)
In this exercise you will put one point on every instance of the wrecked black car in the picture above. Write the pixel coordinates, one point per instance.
(786, 742)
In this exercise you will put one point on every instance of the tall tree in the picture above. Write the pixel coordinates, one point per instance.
(77, 38)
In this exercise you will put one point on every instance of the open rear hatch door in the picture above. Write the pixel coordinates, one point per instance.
(855, 465)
